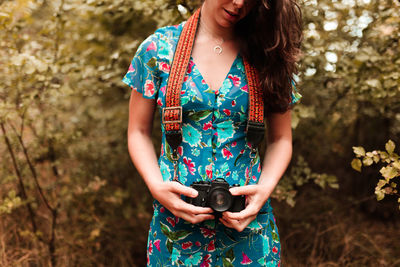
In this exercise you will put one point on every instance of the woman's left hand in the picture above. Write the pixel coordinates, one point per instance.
(256, 196)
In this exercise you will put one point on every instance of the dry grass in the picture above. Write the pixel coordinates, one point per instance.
(323, 230)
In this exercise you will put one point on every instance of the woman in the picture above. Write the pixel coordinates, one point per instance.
(214, 99)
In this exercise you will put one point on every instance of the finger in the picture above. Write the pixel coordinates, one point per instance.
(249, 211)
(243, 190)
(185, 207)
(239, 225)
(194, 218)
(183, 190)
(226, 223)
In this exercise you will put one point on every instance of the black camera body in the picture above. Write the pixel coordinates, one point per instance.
(216, 195)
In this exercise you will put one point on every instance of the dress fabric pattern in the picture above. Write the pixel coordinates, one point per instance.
(214, 146)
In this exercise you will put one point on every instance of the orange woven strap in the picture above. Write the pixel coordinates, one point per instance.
(172, 114)
(256, 96)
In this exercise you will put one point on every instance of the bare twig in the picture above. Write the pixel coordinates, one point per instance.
(21, 183)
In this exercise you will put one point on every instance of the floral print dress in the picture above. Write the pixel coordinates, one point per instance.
(214, 146)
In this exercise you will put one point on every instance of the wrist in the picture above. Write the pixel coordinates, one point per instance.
(155, 186)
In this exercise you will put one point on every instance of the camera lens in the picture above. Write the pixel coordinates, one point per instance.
(220, 199)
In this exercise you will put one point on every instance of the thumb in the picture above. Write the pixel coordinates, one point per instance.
(184, 190)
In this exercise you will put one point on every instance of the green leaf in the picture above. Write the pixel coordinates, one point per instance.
(178, 235)
(168, 152)
(152, 62)
(198, 115)
(356, 164)
(390, 146)
(165, 229)
(275, 236)
(169, 245)
(359, 151)
(226, 263)
(230, 255)
(237, 158)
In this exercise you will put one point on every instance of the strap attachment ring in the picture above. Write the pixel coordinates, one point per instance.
(166, 109)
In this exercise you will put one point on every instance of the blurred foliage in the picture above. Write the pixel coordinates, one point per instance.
(390, 172)
(69, 195)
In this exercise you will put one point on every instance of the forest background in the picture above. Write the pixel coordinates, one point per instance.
(69, 194)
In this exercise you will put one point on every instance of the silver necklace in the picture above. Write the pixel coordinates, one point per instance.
(218, 47)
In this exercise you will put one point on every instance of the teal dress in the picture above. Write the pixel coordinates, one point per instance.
(214, 146)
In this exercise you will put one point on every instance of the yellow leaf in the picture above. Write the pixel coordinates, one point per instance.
(356, 164)
(390, 146)
(359, 151)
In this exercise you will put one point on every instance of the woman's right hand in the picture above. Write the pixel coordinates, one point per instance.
(168, 194)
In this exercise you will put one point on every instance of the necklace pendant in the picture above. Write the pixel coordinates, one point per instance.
(218, 50)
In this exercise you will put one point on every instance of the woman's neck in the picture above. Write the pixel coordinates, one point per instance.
(210, 25)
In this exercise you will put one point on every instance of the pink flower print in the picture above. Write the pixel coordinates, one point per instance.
(183, 92)
(165, 67)
(235, 80)
(207, 232)
(209, 170)
(190, 67)
(157, 244)
(186, 78)
(162, 89)
(227, 174)
(190, 165)
(162, 209)
(242, 151)
(149, 88)
(180, 150)
(187, 245)
(207, 125)
(150, 247)
(245, 259)
(148, 260)
(234, 143)
(227, 112)
(192, 84)
(171, 221)
(162, 149)
(197, 243)
(131, 68)
(245, 88)
(211, 246)
(152, 46)
(159, 102)
(233, 103)
(259, 168)
(206, 261)
(226, 153)
(203, 81)
(275, 249)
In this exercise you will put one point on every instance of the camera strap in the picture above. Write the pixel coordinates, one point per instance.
(172, 113)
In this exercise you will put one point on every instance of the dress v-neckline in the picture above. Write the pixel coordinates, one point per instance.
(209, 89)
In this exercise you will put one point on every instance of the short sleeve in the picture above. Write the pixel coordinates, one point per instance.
(295, 95)
(143, 72)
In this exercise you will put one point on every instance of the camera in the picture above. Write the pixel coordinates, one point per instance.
(216, 195)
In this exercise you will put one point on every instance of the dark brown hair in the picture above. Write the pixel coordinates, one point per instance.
(271, 36)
